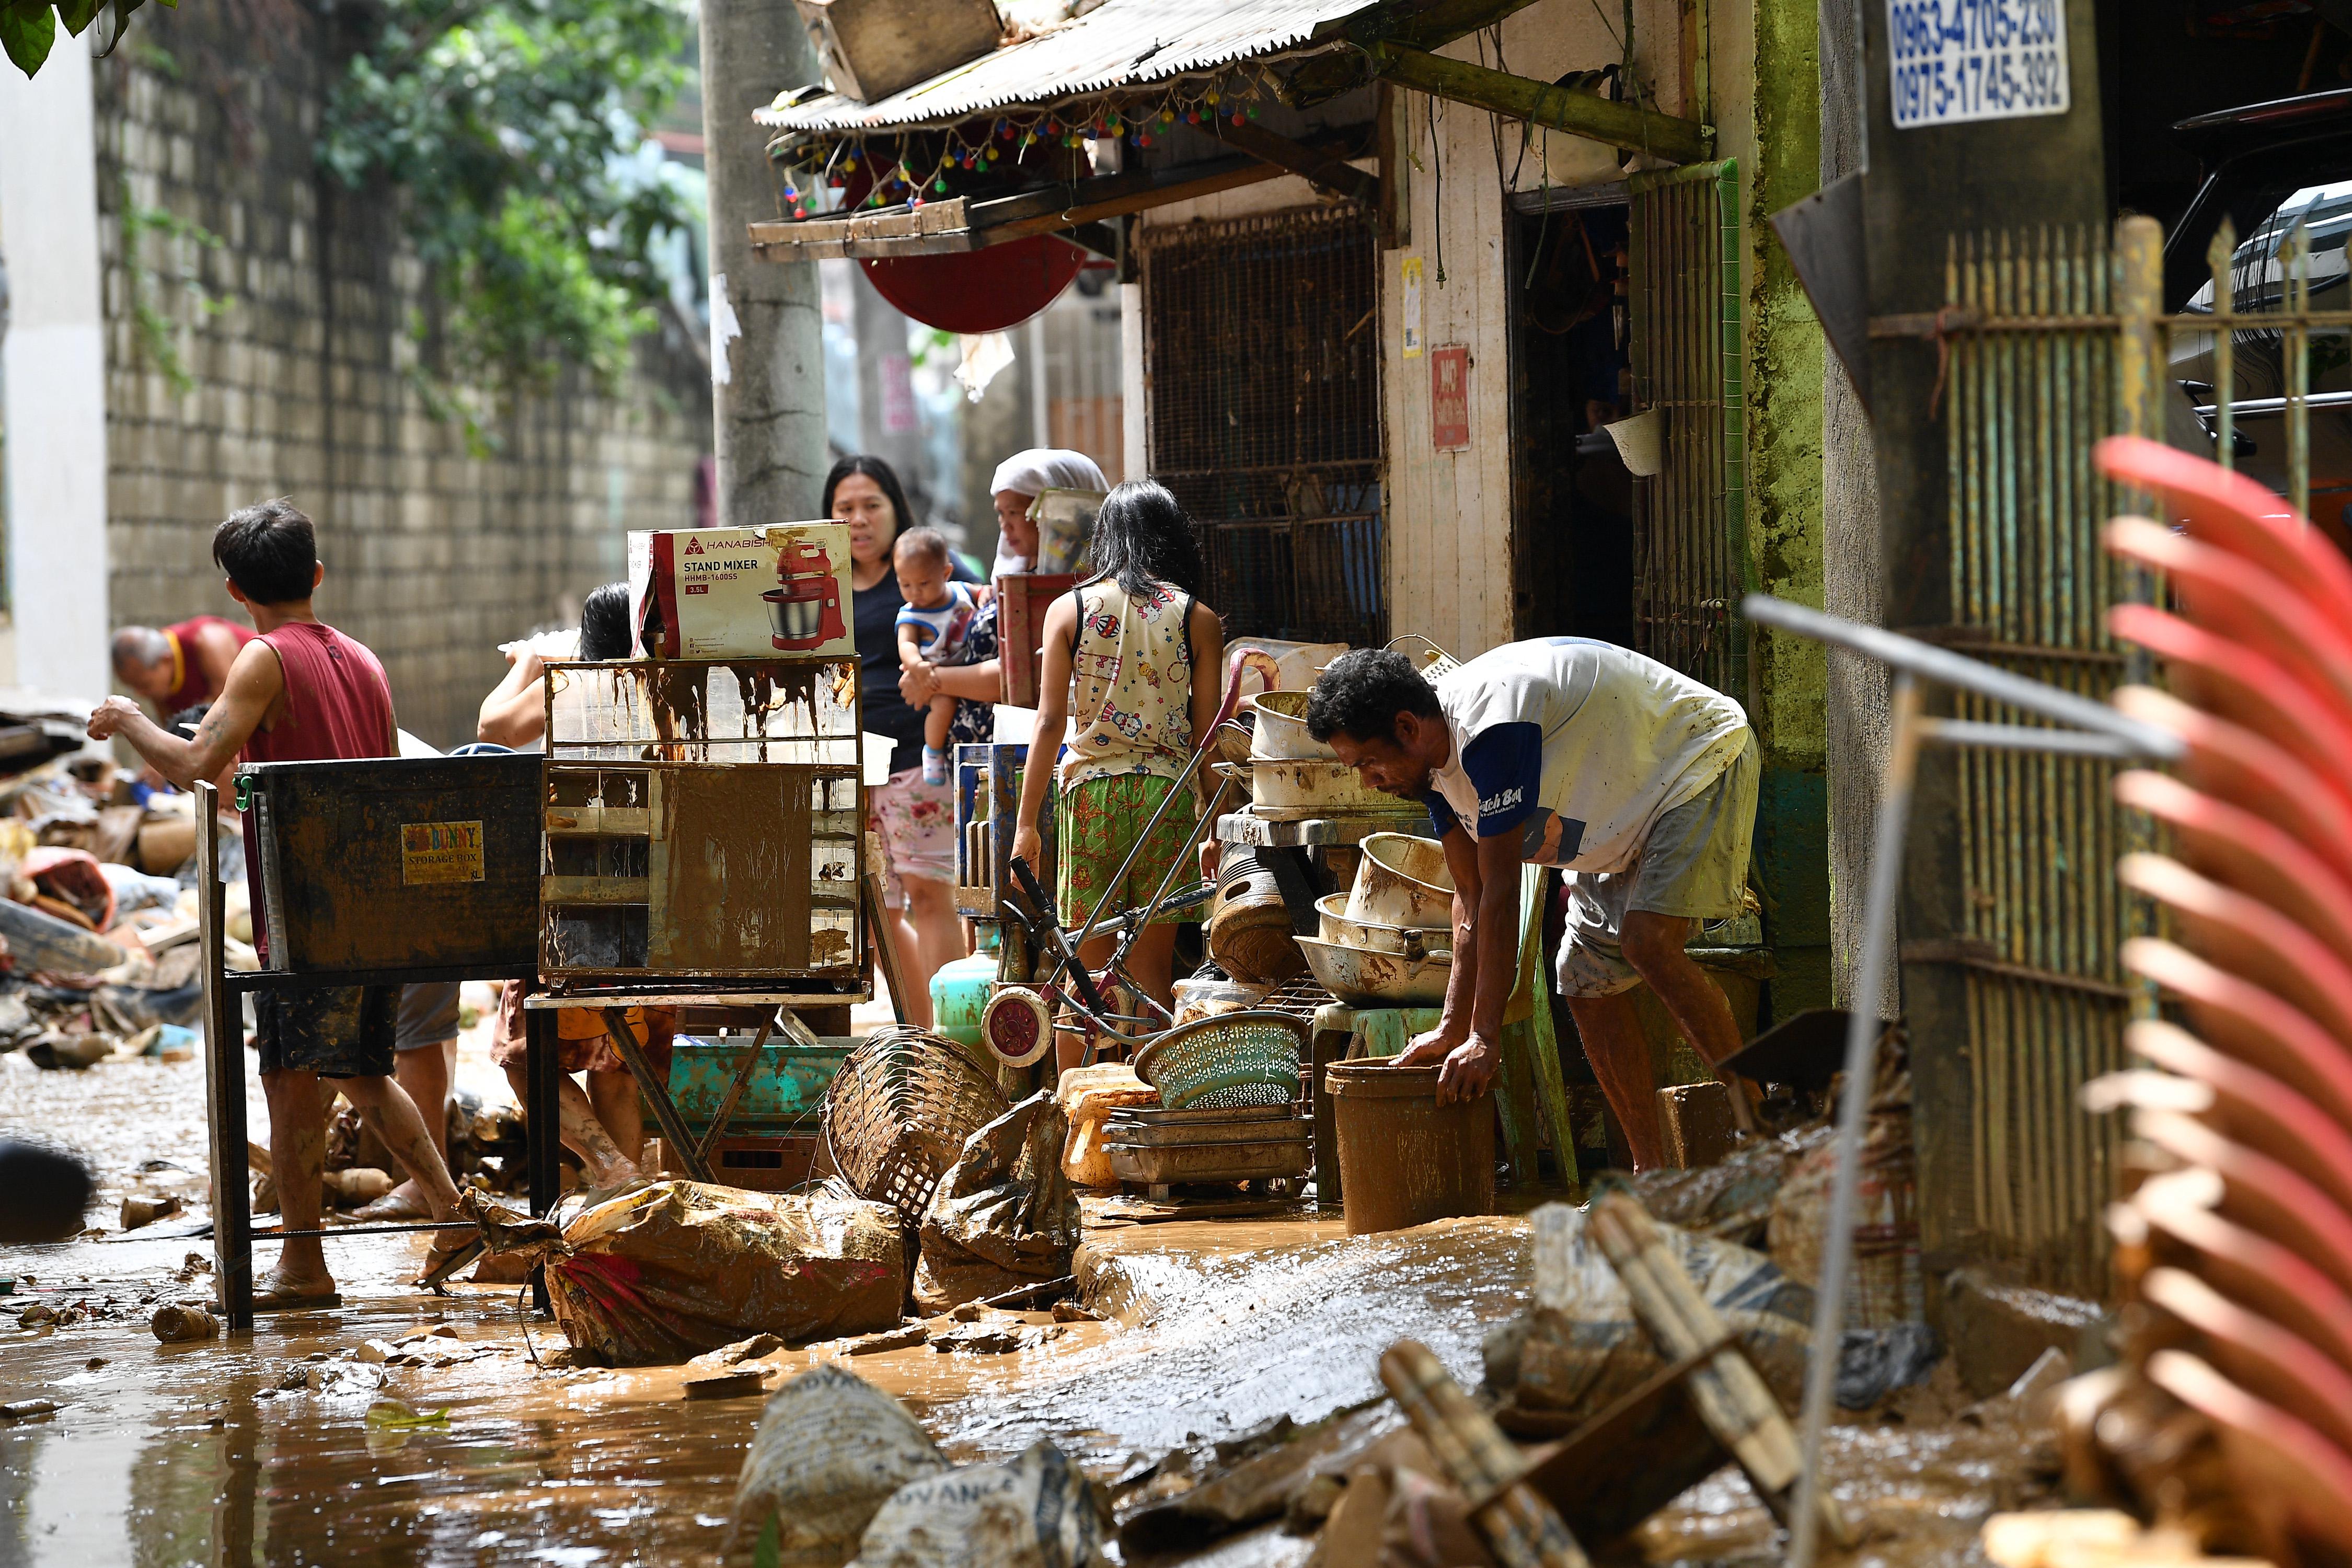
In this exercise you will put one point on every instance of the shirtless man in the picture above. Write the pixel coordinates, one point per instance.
(301, 691)
(180, 667)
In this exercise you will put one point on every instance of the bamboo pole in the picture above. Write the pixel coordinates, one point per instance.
(1524, 1531)
(1730, 1395)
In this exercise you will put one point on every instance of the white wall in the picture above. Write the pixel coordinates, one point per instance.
(53, 367)
(1449, 521)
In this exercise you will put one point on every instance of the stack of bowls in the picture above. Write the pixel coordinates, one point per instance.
(1295, 775)
(1387, 943)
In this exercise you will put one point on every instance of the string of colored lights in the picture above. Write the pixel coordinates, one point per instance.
(1235, 95)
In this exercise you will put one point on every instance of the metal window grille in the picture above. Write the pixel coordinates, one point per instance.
(1262, 353)
(1690, 550)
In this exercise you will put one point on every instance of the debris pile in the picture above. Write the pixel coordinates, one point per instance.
(838, 1464)
(1004, 1215)
(97, 927)
(658, 1271)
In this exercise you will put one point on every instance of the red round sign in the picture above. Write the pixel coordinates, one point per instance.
(979, 290)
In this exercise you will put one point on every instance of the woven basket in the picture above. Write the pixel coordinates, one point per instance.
(898, 1112)
(1226, 1061)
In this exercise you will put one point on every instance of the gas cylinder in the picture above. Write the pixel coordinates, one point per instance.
(960, 994)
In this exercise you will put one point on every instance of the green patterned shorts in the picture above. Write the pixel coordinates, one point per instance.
(1099, 821)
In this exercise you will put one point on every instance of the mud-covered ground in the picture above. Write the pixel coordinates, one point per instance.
(262, 1451)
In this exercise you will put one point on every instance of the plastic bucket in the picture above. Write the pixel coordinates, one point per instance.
(1405, 1160)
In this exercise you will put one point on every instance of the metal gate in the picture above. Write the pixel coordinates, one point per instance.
(2051, 340)
(1690, 539)
(1262, 357)
(2030, 385)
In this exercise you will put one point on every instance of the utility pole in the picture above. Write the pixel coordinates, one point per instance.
(767, 356)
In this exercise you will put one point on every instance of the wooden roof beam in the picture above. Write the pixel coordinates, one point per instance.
(1586, 114)
(1324, 171)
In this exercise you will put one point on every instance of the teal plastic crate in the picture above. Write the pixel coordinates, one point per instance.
(788, 1086)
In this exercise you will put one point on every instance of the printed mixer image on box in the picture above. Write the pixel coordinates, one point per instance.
(733, 593)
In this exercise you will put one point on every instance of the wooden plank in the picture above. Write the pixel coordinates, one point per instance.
(1543, 1036)
(1324, 171)
(877, 913)
(224, 1119)
(542, 1148)
(1631, 1460)
(1515, 1098)
(595, 889)
(1430, 25)
(599, 821)
(743, 1071)
(883, 235)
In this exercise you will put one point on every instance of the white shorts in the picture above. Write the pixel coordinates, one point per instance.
(1694, 865)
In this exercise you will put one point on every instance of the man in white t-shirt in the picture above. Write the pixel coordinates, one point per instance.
(1637, 780)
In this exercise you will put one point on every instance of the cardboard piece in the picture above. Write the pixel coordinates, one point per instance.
(731, 593)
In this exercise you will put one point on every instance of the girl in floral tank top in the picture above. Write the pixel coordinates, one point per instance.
(1130, 682)
(1132, 656)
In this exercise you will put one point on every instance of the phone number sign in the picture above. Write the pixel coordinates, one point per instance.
(1953, 61)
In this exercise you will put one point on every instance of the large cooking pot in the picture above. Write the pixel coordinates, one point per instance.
(1281, 730)
(1402, 881)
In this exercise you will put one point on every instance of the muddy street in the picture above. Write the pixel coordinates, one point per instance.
(488, 1447)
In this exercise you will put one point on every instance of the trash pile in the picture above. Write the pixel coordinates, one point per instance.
(1649, 1359)
(655, 1272)
(1004, 1215)
(838, 1469)
(97, 927)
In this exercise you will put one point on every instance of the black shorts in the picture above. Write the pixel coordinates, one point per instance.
(343, 1031)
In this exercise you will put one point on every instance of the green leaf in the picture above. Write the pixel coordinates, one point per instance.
(770, 1549)
(28, 29)
(511, 131)
(393, 1415)
(75, 14)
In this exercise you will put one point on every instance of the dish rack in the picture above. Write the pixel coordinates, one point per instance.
(1226, 1061)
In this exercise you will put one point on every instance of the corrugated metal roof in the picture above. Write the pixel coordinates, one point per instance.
(1124, 43)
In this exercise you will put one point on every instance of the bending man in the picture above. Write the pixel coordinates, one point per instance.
(1565, 751)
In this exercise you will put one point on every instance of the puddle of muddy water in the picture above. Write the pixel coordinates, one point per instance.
(162, 1455)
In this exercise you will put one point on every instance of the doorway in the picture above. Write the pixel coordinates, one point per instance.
(1572, 497)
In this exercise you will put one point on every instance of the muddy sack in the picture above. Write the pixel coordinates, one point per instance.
(830, 1451)
(1036, 1511)
(1580, 1348)
(1004, 1215)
(661, 1271)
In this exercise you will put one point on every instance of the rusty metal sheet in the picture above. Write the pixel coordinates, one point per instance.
(1124, 44)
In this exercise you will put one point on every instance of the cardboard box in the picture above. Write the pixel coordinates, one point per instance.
(1021, 600)
(743, 593)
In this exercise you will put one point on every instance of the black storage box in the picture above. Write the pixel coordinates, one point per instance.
(394, 863)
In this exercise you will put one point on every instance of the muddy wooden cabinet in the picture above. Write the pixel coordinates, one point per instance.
(392, 863)
(703, 821)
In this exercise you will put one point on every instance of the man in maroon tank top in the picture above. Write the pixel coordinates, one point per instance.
(299, 691)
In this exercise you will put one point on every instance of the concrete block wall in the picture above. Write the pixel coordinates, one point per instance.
(301, 382)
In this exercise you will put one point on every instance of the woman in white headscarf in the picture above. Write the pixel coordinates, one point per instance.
(1020, 479)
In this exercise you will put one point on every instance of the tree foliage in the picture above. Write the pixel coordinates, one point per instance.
(28, 28)
(507, 128)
